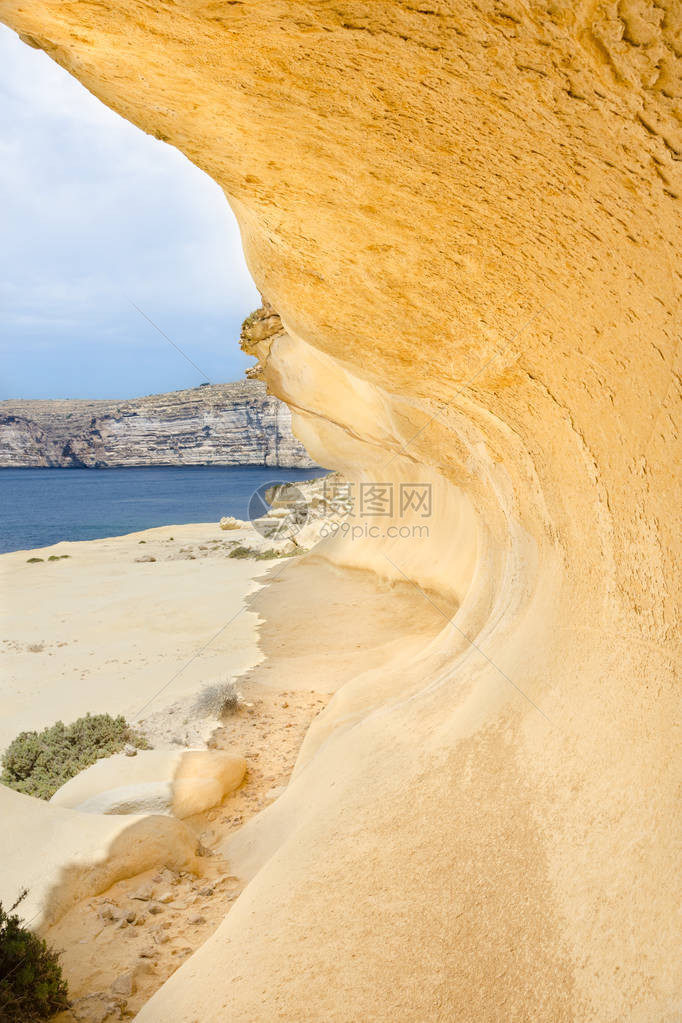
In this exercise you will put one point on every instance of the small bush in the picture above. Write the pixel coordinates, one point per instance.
(38, 763)
(33, 561)
(240, 552)
(251, 319)
(267, 555)
(32, 988)
(218, 700)
(270, 554)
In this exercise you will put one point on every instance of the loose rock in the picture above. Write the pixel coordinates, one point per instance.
(124, 985)
(144, 894)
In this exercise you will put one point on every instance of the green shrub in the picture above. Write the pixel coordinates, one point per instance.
(240, 552)
(267, 555)
(32, 988)
(33, 561)
(38, 763)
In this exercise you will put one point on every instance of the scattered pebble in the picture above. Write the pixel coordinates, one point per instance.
(144, 894)
(96, 1008)
(124, 985)
(146, 938)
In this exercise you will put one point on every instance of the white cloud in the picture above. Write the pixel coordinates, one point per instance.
(93, 212)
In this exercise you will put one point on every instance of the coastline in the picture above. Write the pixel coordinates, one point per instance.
(42, 506)
(102, 631)
(287, 646)
(234, 423)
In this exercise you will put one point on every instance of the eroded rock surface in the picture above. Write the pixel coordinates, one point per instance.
(467, 216)
(219, 424)
(155, 781)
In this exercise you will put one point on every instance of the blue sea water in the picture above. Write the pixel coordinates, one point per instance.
(42, 506)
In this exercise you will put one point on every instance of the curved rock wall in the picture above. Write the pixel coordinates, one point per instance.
(468, 217)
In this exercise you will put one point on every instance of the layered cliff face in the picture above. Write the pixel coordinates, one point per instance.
(468, 218)
(219, 424)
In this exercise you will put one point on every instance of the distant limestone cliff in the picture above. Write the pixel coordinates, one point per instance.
(216, 424)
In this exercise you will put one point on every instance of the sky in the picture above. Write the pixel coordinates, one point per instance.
(96, 215)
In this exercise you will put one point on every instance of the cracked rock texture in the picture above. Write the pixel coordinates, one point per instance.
(219, 424)
(468, 217)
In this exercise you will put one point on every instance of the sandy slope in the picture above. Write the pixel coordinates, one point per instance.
(102, 631)
(302, 629)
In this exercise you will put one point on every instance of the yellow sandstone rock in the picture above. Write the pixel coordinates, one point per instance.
(182, 782)
(467, 216)
(62, 857)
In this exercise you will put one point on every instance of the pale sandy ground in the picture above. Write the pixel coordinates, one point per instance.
(103, 632)
(126, 628)
(99, 946)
